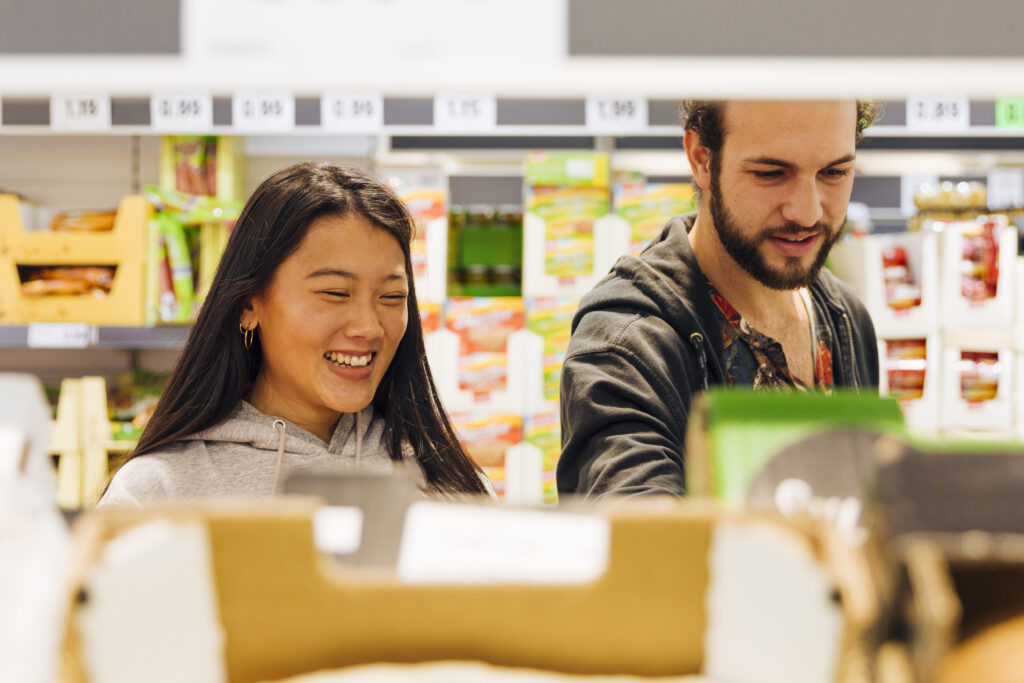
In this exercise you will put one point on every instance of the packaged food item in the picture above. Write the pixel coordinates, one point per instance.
(648, 206)
(84, 221)
(569, 214)
(980, 263)
(67, 280)
(179, 258)
(901, 291)
(979, 375)
(191, 209)
(486, 437)
(484, 326)
(195, 164)
(131, 400)
(551, 318)
(487, 250)
(180, 221)
(906, 366)
(543, 430)
(948, 201)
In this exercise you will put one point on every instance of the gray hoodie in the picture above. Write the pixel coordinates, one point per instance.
(248, 455)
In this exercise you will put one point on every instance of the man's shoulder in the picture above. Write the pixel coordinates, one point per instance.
(840, 292)
(646, 336)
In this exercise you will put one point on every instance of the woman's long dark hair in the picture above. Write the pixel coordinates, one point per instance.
(215, 368)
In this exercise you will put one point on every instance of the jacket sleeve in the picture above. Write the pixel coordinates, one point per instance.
(623, 422)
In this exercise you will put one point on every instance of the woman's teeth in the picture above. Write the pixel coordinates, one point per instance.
(350, 361)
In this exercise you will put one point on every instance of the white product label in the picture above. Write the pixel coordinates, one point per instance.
(59, 335)
(263, 113)
(359, 113)
(910, 184)
(464, 113)
(1005, 188)
(938, 114)
(338, 529)
(616, 114)
(84, 112)
(181, 113)
(455, 543)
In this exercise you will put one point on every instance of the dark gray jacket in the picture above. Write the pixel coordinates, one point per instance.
(644, 341)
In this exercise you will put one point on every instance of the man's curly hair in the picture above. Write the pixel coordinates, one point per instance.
(706, 117)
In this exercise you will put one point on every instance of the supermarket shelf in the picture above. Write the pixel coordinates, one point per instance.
(163, 337)
(539, 115)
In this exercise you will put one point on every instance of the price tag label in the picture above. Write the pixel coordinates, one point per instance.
(462, 113)
(59, 335)
(181, 113)
(1010, 112)
(616, 114)
(263, 113)
(352, 113)
(1005, 188)
(73, 113)
(938, 114)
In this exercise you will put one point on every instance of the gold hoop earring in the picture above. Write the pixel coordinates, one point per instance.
(246, 335)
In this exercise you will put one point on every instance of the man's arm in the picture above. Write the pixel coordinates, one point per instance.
(623, 423)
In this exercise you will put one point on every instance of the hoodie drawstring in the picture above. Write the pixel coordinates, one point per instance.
(697, 339)
(359, 443)
(279, 426)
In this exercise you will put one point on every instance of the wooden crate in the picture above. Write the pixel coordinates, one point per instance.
(122, 247)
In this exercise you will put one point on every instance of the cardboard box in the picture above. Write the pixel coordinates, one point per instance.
(860, 261)
(686, 589)
(960, 309)
(920, 411)
(977, 391)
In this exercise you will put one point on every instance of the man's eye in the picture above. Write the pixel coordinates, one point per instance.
(767, 175)
(837, 172)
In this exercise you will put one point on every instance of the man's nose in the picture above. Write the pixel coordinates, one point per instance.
(803, 205)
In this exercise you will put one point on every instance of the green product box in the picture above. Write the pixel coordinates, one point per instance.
(567, 169)
(733, 433)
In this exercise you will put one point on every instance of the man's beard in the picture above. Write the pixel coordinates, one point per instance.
(745, 250)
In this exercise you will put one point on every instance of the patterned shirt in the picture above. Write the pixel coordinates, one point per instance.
(755, 360)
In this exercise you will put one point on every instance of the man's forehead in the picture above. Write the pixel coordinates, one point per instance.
(826, 127)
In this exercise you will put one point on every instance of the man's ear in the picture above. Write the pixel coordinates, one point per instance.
(699, 157)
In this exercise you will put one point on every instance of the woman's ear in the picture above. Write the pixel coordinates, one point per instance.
(248, 319)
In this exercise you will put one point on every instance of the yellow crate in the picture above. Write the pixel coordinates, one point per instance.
(123, 247)
(81, 440)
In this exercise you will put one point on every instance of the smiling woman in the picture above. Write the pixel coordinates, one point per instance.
(307, 354)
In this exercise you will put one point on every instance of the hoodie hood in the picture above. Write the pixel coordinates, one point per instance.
(667, 283)
(248, 426)
(250, 454)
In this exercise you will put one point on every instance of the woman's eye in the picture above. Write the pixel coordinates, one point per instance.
(339, 295)
(394, 298)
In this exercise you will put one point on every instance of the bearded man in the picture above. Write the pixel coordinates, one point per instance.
(733, 295)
